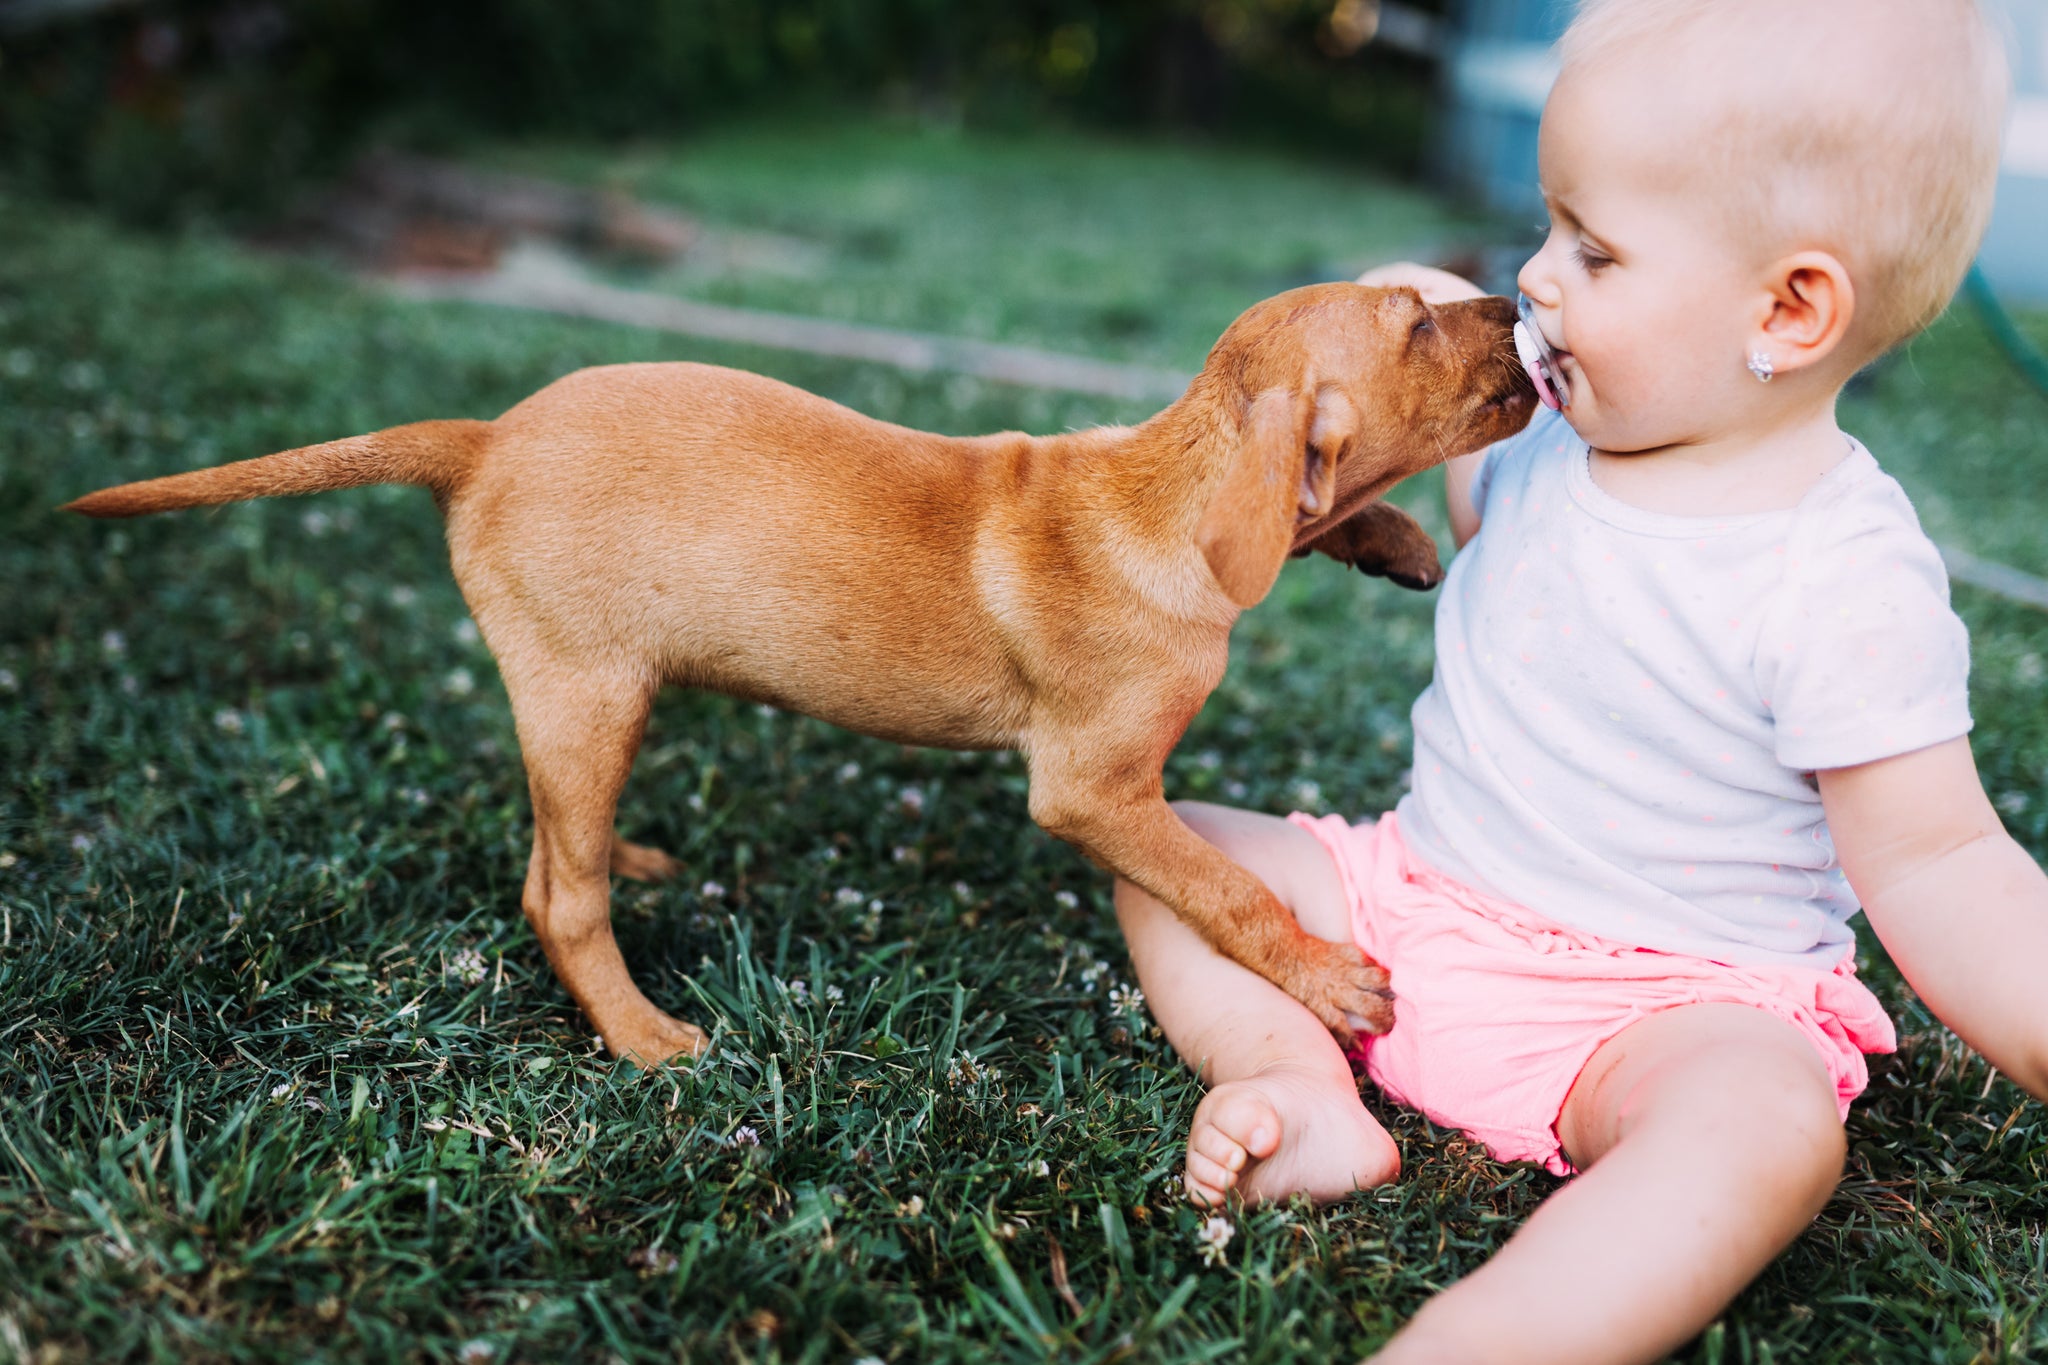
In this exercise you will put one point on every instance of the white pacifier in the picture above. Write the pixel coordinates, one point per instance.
(1538, 359)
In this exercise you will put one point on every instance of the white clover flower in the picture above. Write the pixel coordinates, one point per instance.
(965, 1071)
(963, 893)
(1235, 789)
(1126, 999)
(830, 853)
(1066, 900)
(1093, 973)
(113, 644)
(476, 1352)
(417, 795)
(466, 632)
(2028, 668)
(903, 853)
(282, 1089)
(2013, 802)
(911, 1207)
(1214, 1236)
(460, 682)
(846, 895)
(848, 771)
(235, 918)
(1038, 1167)
(8, 682)
(228, 720)
(766, 712)
(912, 800)
(468, 967)
(402, 596)
(390, 721)
(315, 1105)
(712, 891)
(316, 523)
(1308, 793)
(696, 803)
(833, 995)
(798, 991)
(746, 1135)
(81, 843)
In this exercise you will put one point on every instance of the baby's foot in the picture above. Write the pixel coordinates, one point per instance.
(1284, 1132)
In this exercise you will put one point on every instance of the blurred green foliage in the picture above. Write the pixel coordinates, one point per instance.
(161, 111)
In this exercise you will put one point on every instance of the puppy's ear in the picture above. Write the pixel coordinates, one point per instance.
(1330, 432)
(1285, 472)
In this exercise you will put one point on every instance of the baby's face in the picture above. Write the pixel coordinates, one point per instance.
(1641, 286)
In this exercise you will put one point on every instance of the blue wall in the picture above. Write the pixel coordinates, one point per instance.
(2015, 253)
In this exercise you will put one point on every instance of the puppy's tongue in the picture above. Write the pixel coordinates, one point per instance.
(1531, 353)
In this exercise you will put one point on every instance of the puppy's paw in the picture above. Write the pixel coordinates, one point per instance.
(656, 1040)
(1347, 991)
(641, 863)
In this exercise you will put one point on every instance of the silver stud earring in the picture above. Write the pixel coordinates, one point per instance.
(1760, 366)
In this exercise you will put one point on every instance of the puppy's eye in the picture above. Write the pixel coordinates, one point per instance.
(1423, 325)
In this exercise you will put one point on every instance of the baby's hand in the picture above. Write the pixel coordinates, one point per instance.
(1435, 286)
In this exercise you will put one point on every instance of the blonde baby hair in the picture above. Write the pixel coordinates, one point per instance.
(1869, 128)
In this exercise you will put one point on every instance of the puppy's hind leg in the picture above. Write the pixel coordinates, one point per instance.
(578, 732)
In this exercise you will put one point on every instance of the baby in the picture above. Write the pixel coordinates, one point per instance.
(1698, 694)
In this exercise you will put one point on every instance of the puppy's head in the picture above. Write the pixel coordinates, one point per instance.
(1343, 390)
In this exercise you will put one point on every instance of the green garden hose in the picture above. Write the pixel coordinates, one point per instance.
(2025, 356)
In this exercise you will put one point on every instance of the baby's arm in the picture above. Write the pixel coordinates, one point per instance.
(1961, 908)
(1440, 286)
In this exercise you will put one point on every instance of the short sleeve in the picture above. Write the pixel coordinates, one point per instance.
(1862, 657)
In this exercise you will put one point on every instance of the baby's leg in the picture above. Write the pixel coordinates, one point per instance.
(1282, 1116)
(1710, 1138)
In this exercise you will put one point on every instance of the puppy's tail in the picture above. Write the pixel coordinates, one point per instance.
(436, 455)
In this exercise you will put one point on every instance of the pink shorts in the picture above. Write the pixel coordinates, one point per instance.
(1500, 1009)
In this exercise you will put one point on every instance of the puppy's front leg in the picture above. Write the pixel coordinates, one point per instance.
(1381, 539)
(1128, 827)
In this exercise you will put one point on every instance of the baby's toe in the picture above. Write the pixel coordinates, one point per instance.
(1244, 1117)
(1207, 1182)
(1218, 1146)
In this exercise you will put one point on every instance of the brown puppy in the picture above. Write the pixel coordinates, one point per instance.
(1068, 596)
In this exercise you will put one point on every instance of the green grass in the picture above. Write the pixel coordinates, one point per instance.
(1137, 250)
(261, 803)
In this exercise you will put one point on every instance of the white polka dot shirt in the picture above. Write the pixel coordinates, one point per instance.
(1628, 706)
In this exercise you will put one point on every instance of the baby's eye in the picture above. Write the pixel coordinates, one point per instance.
(1592, 262)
